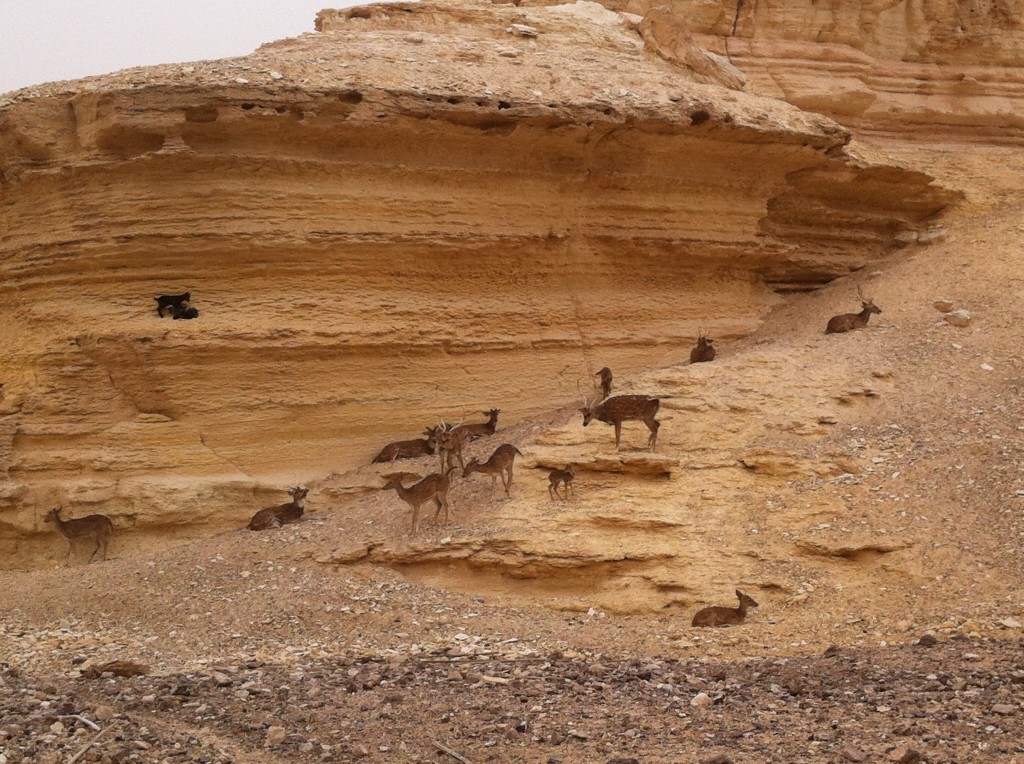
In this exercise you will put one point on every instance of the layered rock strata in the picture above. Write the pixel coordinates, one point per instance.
(422, 211)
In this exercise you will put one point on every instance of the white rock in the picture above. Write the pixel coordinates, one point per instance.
(275, 736)
(943, 305)
(701, 699)
(276, 75)
(958, 317)
(1010, 623)
(987, 367)
(932, 234)
(522, 30)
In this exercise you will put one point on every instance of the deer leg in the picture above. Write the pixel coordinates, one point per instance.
(618, 434)
(415, 518)
(94, 551)
(655, 425)
(507, 482)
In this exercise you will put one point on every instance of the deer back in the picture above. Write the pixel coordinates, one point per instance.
(623, 407)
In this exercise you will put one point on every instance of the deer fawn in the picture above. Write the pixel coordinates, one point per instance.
(702, 352)
(97, 527)
(282, 514)
(725, 616)
(566, 477)
(624, 408)
(431, 487)
(172, 301)
(408, 449)
(847, 322)
(468, 432)
(606, 381)
(499, 464)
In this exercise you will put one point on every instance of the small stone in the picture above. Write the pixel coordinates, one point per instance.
(522, 30)
(275, 736)
(932, 234)
(719, 759)
(700, 700)
(943, 305)
(1010, 623)
(221, 679)
(960, 317)
(276, 75)
(359, 752)
(104, 713)
(910, 757)
(57, 728)
(852, 753)
(987, 367)
(241, 80)
(1004, 709)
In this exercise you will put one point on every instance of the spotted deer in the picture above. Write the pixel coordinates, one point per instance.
(847, 322)
(408, 449)
(565, 477)
(282, 514)
(96, 527)
(624, 408)
(433, 487)
(725, 616)
(498, 465)
(606, 381)
(702, 351)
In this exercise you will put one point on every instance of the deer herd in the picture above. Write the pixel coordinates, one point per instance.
(446, 441)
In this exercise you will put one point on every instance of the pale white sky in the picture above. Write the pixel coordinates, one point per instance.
(46, 40)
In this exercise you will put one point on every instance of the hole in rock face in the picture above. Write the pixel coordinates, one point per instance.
(699, 117)
(351, 96)
(129, 141)
(201, 114)
(248, 106)
(504, 105)
(454, 100)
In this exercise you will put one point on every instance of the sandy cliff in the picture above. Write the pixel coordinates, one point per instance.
(421, 211)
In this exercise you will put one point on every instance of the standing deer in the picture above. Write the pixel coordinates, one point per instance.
(566, 477)
(282, 514)
(847, 322)
(703, 352)
(606, 381)
(624, 408)
(499, 464)
(449, 446)
(97, 527)
(431, 487)
(725, 616)
(408, 449)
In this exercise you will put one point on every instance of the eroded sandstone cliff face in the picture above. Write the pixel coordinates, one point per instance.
(941, 69)
(421, 211)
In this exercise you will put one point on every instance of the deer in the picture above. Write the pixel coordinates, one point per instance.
(725, 616)
(433, 486)
(185, 312)
(282, 514)
(408, 449)
(172, 301)
(97, 527)
(606, 381)
(847, 322)
(624, 408)
(449, 446)
(468, 432)
(702, 352)
(499, 464)
(566, 478)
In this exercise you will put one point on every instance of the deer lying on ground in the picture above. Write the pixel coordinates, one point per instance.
(431, 487)
(282, 514)
(606, 381)
(725, 616)
(846, 322)
(184, 311)
(624, 408)
(97, 527)
(566, 478)
(408, 449)
(468, 432)
(172, 301)
(499, 464)
(703, 352)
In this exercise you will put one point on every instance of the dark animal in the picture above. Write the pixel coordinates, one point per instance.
(184, 312)
(282, 514)
(408, 449)
(566, 478)
(703, 352)
(431, 487)
(97, 527)
(606, 381)
(624, 408)
(499, 463)
(725, 616)
(468, 432)
(166, 301)
(846, 322)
